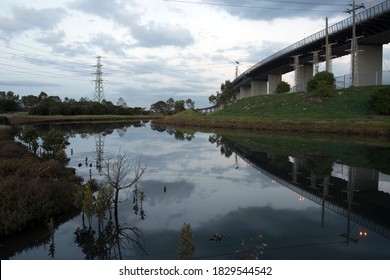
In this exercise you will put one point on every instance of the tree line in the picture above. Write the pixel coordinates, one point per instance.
(45, 104)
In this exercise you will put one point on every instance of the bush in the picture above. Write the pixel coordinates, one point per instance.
(282, 87)
(380, 101)
(322, 84)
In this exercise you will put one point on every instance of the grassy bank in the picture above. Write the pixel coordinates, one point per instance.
(24, 118)
(346, 111)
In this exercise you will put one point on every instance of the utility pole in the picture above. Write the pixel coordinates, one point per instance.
(236, 69)
(315, 61)
(327, 48)
(99, 93)
(354, 58)
(297, 68)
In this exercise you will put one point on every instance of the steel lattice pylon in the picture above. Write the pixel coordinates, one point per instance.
(99, 92)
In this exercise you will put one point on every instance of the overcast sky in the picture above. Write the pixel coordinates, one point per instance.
(151, 50)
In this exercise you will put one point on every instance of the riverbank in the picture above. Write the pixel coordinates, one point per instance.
(344, 112)
(32, 190)
(25, 118)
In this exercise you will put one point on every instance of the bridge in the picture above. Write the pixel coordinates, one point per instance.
(372, 32)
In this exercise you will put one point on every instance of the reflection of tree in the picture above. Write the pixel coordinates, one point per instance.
(379, 159)
(186, 248)
(226, 147)
(114, 241)
(252, 249)
(111, 239)
(278, 161)
(52, 246)
(122, 131)
(178, 134)
(320, 165)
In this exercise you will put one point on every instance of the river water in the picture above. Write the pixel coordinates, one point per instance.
(244, 196)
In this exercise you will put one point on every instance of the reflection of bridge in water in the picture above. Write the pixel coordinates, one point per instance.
(358, 198)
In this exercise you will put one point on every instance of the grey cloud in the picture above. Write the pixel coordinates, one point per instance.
(24, 19)
(55, 40)
(28, 83)
(157, 35)
(152, 34)
(51, 38)
(109, 44)
(269, 10)
(75, 49)
(175, 191)
(101, 8)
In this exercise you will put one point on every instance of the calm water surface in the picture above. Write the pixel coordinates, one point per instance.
(271, 195)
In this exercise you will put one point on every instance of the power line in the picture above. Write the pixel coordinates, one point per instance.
(251, 6)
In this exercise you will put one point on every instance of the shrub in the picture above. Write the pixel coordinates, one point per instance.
(322, 84)
(282, 87)
(380, 101)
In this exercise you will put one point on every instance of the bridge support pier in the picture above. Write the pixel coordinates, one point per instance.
(370, 59)
(273, 81)
(306, 73)
(245, 92)
(364, 179)
(258, 87)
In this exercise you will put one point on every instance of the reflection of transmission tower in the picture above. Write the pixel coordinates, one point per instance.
(99, 93)
(99, 139)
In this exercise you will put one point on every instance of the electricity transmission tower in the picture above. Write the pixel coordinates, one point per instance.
(99, 93)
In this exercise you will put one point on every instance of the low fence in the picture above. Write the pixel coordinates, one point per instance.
(379, 78)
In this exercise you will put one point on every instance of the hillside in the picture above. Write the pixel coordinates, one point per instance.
(346, 111)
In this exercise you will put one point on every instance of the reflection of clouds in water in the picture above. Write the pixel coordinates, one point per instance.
(175, 191)
(289, 234)
(303, 239)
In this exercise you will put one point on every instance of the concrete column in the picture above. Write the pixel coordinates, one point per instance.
(306, 73)
(273, 81)
(370, 59)
(237, 93)
(245, 92)
(365, 179)
(258, 87)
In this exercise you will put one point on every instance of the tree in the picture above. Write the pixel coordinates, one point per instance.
(28, 102)
(54, 144)
(42, 95)
(179, 106)
(170, 105)
(190, 104)
(322, 84)
(282, 87)
(116, 170)
(121, 102)
(159, 107)
(30, 136)
(225, 97)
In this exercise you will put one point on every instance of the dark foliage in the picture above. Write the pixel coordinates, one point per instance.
(32, 190)
(282, 87)
(380, 101)
(322, 84)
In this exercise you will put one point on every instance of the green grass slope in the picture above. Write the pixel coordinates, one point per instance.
(346, 111)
